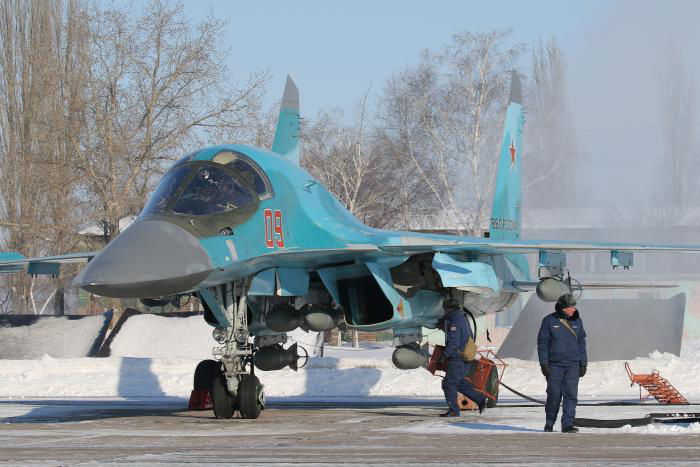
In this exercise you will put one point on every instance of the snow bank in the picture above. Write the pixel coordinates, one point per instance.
(326, 377)
(154, 356)
(153, 336)
(59, 337)
(605, 379)
(146, 336)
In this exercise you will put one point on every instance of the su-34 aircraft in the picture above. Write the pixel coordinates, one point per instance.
(267, 249)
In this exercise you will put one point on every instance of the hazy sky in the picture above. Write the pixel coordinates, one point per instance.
(336, 50)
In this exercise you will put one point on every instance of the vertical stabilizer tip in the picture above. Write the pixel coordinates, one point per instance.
(290, 98)
(516, 88)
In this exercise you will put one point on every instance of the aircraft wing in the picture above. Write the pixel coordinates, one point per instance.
(14, 262)
(531, 286)
(315, 257)
(530, 246)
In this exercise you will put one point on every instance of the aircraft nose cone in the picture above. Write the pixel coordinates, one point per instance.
(149, 259)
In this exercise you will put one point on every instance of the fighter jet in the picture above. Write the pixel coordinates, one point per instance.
(267, 249)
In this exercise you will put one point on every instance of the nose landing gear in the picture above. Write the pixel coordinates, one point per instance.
(249, 400)
(230, 378)
(222, 401)
(251, 397)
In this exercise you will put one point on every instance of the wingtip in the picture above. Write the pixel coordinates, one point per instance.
(290, 98)
(516, 88)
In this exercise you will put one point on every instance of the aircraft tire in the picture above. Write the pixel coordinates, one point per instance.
(205, 373)
(492, 388)
(251, 398)
(221, 400)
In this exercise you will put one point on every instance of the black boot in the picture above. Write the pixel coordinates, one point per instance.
(450, 414)
(549, 428)
(569, 429)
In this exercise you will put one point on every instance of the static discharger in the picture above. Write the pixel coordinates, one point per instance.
(657, 387)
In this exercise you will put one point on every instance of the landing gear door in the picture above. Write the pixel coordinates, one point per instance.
(383, 277)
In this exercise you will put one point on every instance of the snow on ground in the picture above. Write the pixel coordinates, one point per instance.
(147, 336)
(58, 337)
(524, 420)
(153, 336)
(154, 356)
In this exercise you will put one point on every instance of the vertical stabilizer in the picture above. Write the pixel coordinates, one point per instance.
(505, 214)
(286, 142)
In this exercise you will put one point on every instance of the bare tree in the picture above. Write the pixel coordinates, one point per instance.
(42, 46)
(444, 117)
(156, 84)
(677, 187)
(355, 163)
(551, 151)
(95, 100)
(674, 190)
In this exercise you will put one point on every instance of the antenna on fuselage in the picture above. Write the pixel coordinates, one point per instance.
(286, 142)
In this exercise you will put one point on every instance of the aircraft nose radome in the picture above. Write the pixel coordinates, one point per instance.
(149, 259)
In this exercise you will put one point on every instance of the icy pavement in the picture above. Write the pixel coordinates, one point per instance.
(349, 406)
(139, 431)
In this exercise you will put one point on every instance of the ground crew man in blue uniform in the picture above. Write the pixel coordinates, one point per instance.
(561, 347)
(457, 332)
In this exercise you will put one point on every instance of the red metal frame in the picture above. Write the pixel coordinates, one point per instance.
(486, 363)
(657, 387)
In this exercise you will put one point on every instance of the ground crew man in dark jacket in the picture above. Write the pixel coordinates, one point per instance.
(561, 347)
(457, 332)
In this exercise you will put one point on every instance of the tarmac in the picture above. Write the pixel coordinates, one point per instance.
(161, 431)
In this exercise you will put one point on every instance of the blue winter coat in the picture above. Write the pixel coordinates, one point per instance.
(457, 332)
(556, 345)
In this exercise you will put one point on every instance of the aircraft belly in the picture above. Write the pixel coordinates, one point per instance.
(422, 309)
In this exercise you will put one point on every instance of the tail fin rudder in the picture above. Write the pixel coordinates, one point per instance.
(505, 213)
(286, 142)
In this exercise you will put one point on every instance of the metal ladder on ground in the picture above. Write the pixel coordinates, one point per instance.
(658, 387)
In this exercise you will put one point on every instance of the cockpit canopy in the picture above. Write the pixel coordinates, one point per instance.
(198, 188)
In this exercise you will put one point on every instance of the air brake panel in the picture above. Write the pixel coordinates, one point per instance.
(282, 282)
(472, 275)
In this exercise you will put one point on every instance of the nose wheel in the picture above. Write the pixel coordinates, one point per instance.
(251, 397)
(223, 403)
(249, 402)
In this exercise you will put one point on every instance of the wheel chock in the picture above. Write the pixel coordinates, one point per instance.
(200, 399)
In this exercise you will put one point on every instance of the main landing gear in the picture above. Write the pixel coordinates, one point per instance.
(230, 379)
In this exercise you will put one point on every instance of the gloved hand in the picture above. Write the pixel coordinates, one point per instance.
(582, 371)
(441, 324)
(545, 370)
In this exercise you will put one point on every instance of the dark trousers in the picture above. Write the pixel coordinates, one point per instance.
(454, 381)
(562, 382)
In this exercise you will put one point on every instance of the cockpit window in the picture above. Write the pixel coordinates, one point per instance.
(165, 190)
(211, 191)
(247, 169)
(185, 159)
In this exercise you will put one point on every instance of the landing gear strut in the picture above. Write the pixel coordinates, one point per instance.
(235, 387)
